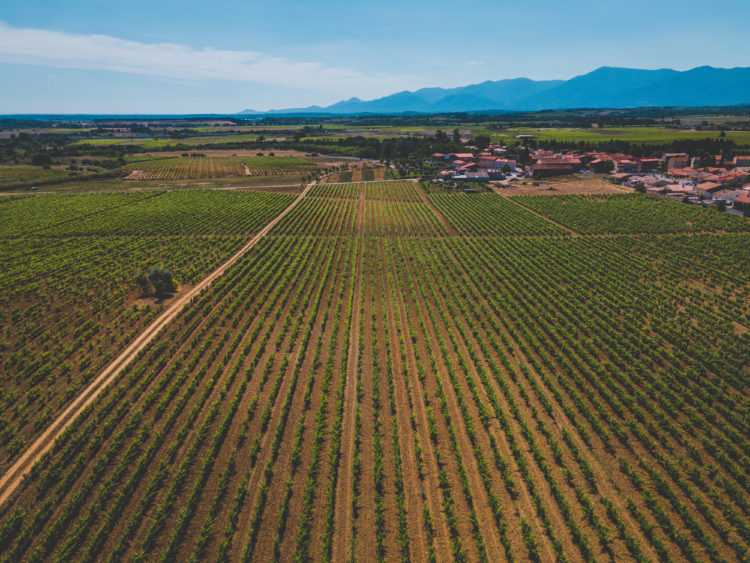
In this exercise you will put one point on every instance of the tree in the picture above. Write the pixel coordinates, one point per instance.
(603, 167)
(142, 282)
(162, 281)
(524, 157)
(506, 168)
(482, 141)
(456, 136)
(41, 159)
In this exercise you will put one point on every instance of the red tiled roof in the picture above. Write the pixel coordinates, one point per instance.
(708, 186)
(561, 165)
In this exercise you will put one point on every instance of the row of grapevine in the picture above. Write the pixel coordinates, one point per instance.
(30, 215)
(70, 303)
(361, 386)
(217, 167)
(631, 213)
(182, 212)
(490, 214)
(187, 167)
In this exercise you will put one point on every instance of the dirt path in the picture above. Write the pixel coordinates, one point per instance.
(12, 478)
(343, 516)
(136, 175)
(510, 199)
(259, 186)
(448, 227)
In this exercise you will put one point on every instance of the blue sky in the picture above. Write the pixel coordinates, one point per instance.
(164, 56)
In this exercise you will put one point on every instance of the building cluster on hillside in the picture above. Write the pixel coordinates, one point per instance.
(674, 175)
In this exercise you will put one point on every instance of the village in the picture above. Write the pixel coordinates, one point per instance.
(725, 185)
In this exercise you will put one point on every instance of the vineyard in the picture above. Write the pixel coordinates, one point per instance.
(181, 168)
(18, 176)
(68, 302)
(631, 213)
(391, 375)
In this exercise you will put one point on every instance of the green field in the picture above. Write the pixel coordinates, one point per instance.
(17, 176)
(647, 135)
(154, 168)
(150, 144)
(387, 374)
(68, 300)
(631, 213)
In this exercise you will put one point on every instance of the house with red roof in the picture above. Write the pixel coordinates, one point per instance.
(627, 165)
(647, 164)
(500, 162)
(741, 204)
(706, 188)
(462, 156)
(727, 196)
(621, 176)
(552, 168)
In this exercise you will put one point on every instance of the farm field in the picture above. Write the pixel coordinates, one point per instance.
(158, 143)
(68, 302)
(215, 167)
(395, 375)
(631, 213)
(577, 184)
(14, 176)
(646, 135)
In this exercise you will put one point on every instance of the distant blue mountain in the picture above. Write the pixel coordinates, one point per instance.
(606, 87)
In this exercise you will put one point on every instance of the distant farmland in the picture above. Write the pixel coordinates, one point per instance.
(645, 135)
(386, 375)
(215, 167)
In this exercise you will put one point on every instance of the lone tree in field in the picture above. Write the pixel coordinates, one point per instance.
(142, 282)
(162, 281)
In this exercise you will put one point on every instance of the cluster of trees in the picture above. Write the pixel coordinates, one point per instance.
(704, 149)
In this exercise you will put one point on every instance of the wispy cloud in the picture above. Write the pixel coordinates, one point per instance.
(103, 52)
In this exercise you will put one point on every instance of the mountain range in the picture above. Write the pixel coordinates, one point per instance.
(606, 87)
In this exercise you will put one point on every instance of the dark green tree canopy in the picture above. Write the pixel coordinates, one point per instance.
(162, 280)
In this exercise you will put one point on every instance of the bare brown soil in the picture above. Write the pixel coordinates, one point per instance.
(561, 186)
